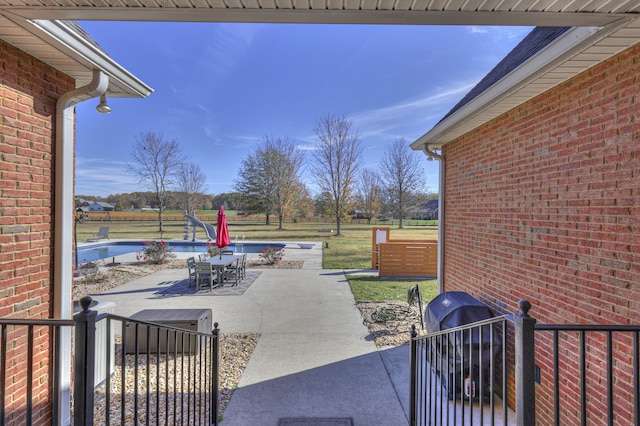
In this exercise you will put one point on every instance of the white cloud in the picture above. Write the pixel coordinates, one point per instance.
(499, 33)
(97, 176)
(227, 46)
(417, 113)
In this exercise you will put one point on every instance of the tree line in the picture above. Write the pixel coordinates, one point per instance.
(270, 179)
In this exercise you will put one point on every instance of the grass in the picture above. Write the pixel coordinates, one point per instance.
(351, 250)
(368, 288)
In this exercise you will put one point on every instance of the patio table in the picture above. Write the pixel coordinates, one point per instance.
(222, 262)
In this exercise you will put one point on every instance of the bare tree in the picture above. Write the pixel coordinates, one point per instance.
(335, 162)
(155, 162)
(402, 178)
(369, 193)
(271, 173)
(190, 181)
(303, 202)
(283, 161)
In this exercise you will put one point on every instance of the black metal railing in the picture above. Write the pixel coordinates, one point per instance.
(158, 375)
(458, 376)
(604, 362)
(24, 344)
(562, 374)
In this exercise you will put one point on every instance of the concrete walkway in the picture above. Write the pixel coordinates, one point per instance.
(315, 357)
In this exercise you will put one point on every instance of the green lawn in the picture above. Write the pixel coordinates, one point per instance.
(369, 288)
(351, 250)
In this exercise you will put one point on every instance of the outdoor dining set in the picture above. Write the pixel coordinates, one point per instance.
(215, 271)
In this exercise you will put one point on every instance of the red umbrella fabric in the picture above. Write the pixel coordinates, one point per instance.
(222, 230)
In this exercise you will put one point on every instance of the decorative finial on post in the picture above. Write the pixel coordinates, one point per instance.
(525, 306)
(85, 302)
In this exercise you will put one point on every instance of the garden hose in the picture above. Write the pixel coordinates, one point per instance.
(393, 312)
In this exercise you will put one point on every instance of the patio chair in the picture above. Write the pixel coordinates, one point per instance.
(226, 252)
(232, 271)
(191, 264)
(205, 274)
(242, 266)
(202, 257)
(103, 233)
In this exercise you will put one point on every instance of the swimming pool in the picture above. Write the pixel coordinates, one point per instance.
(106, 250)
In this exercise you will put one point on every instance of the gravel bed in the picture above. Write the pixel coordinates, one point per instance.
(394, 331)
(235, 349)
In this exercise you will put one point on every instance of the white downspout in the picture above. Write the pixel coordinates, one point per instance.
(441, 185)
(63, 234)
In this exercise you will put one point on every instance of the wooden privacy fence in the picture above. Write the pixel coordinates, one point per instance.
(403, 258)
(408, 259)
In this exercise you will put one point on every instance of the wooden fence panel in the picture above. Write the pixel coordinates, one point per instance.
(408, 259)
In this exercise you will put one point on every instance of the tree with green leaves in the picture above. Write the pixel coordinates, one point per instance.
(335, 163)
(270, 175)
(155, 162)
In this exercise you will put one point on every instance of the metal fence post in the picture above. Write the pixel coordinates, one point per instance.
(215, 367)
(525, 366)
(83, 363)
(413, 358)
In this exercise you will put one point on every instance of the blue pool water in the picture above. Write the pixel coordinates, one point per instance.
(106, 250)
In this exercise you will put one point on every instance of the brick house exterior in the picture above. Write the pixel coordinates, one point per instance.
(35, 281)
(29, 90)
(534, 237)
(543, 204)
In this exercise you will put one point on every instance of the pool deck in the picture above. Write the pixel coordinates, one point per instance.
(315, 357)
(312, 256)
(131, 257)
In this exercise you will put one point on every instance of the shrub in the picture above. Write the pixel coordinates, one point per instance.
(212, 249)
(271, 255)
(155, 252)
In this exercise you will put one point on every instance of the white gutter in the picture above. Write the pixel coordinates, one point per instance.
(77, 45)
(558, 51)
(63, 231)
(441, 193)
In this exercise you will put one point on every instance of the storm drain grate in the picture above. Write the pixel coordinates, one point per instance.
(316, 421)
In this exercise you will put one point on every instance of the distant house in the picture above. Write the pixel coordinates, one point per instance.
(428, 210)
(101, 206)
(81, 202)
(360, 214)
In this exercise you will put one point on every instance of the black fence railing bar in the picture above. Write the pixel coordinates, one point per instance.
(615, 346)
(41, 338)
(167, 375)
(163, 375)
(458, 376)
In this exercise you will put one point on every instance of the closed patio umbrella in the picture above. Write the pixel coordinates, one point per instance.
(222, 230)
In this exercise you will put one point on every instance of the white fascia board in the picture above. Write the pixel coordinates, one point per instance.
(85, 51)
(557, 52)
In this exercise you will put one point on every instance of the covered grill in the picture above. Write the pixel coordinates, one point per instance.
(461, 357)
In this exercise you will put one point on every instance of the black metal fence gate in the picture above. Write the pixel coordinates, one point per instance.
(159, 375)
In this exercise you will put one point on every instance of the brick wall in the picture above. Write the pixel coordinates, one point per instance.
(29, 90)
(543, 204)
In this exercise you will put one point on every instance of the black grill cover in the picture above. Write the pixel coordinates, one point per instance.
(454, 308)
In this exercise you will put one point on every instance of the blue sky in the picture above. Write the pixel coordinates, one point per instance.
(219, 88)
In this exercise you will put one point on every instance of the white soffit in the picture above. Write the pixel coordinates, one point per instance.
(424, 12)
(60, 46)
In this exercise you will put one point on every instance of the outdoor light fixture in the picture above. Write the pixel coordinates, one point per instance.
(102, 106)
